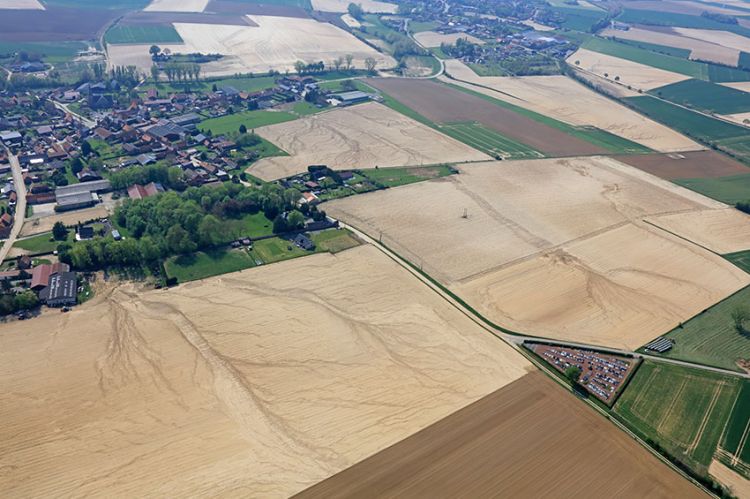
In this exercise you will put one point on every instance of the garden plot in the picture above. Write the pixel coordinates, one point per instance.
(579, 106)
(294, 371)
(363, 136)
(625, 72)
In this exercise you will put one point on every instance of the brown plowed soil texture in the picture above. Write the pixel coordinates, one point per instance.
(138, 18)
(527, 439)
(444, 104)
(261, 9)
(698, 164)
(54, 24)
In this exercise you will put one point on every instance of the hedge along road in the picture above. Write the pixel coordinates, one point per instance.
(517, 339)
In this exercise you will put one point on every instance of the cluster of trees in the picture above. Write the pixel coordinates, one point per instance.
(720, 18)
(93, 72)
(356, 11)
(178, 72)
(310, 68)
(170, 177)
(462, 48)
(15, 302)
(743, 206)
(178, 223)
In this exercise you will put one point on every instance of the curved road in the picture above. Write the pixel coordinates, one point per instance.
(20, 214)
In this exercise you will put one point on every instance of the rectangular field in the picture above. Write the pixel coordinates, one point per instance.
(444, 104)
(731, 190)
(357, 355)
(488, 141)
(512, 443)
(176, 6)
(251, 119)
(580, 107)
(721, 231)
(148, 33)
(706, 96)
(735, 444)
(373, 6)
(697, 164)
(710, 338)
(684, 410)
(431, 39)
(364, 136)
(551, 248)
(21, 5)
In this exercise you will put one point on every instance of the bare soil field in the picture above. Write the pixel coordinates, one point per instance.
(21, 5)
(566, 100)
(176, 6)
(700, 49)
(294, 371)
(350, 21)
(140, 18)
(362, 136)
(722, 231)
(511, 444)
(630, 73)
(697, 164)
(434, 39)
(261, 9)
(741, 118)
(554, 248)
(723, 38)
(54, 24)
(442, 104)
(367, 5)
(44, 224)
(620, 288)
(738, 484)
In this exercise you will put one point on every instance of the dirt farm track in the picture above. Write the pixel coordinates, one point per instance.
(294, 371)
(528, 439)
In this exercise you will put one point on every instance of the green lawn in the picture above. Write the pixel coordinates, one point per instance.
(710, 337)
(735, 450)
(685, 410)
(304, 108)
(50, 52)
(255, 225)
(42, 243)
(705, 96)
(334, 240)
(243, 84)
(417, 26)
(488, 141)
(578, 19)
(251, 119)
(394, 177)
(730, 190)
(207, 263)
(147, 33)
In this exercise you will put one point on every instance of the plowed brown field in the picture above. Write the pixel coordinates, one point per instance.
(443, 104)
(697, 164)
(253, 384)
(528, 439)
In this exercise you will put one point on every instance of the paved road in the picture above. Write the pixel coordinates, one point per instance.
(517, 339)
(20, 214)
(64, 108)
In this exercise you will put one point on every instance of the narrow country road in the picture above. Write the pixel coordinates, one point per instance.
(20, 214)
(64, 108)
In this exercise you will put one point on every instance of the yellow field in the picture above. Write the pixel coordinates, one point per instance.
(723, 38)
(564, 99)
(435, 39)
(21, 5)
(253, 384)
(554, 248)
(176, 6)
(630, 73)
(367, 5)
(722, 231)
(362, 136)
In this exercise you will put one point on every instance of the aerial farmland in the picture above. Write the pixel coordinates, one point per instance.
(321, 248)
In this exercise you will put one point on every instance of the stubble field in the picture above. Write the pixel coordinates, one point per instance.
(21, 5)
(554, 248)
(295, 371)
(721, 231)
(579, 107)
(176, 6)
(528, 439)
(638, 76)
(363, 136)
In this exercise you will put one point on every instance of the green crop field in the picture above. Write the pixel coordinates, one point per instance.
(244, 84)
(50, 52)
(710, 338)
(488, 141)
(207, 263)
(730, 190)
(654, 18)
(684, 410)
(251, 119)
(705, 96)
(661, 49)
(579, 19)
(740, 259)
(394, 177)
(724, 74)
(735, 444)
(686, 121)
(148, 33)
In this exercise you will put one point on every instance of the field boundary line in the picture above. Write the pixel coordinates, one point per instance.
(699, 434)
(668, 412)
(731, 410)
(741, 444)
(637, 401)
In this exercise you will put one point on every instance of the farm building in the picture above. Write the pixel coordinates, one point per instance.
(41, 274)
(9, 138)
(348, 98)
(137, 191)
(61, 291)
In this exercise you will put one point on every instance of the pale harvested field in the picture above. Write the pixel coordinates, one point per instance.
(739, 85)
(435, 39)
(688, 7)
(607, 86)
(513, 443)
(564, 99)
(620, 288)
(722, 231)
(367, 5)
(723, 38)
(537, 26)
(176, 6)
(350, 21)
(44, 224)
(21, 5)
(739, 485)
(362, 136)
(741, 118)
(254, 384)
(700, 49)
(276, 43)
(631, 73)
(554, 248)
